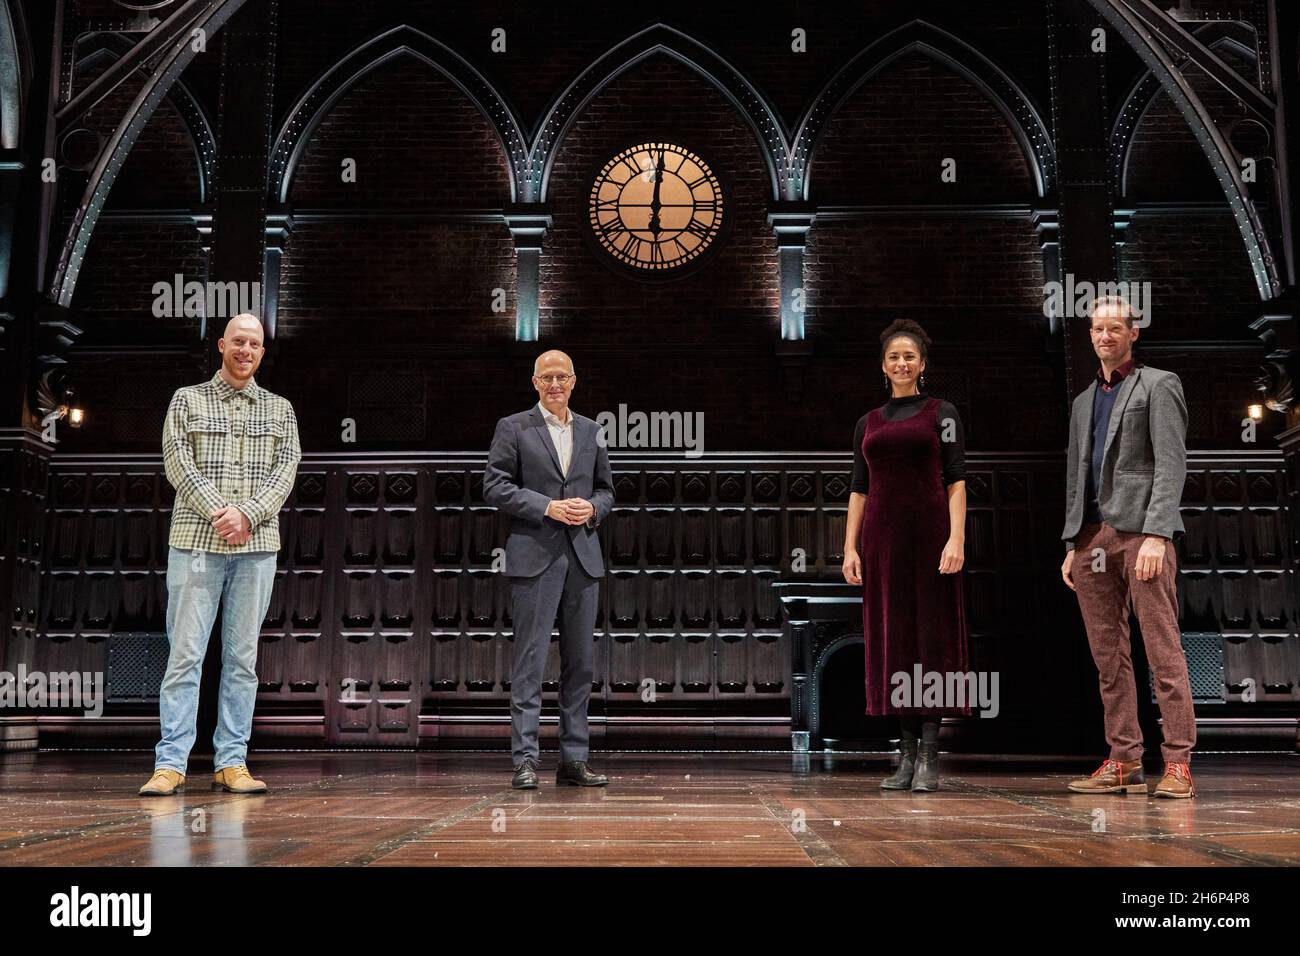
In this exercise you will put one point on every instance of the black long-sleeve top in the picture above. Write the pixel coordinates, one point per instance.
(952, 454)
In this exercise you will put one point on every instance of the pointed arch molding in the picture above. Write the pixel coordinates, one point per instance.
(1223, 161)
(328, 88)
(918, 36)
(1143, 92)
(197, 122)
(660, 38)
(170, 64)
(530, 154)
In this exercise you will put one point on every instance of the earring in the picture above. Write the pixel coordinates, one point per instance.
(922, 385)
(886, 383)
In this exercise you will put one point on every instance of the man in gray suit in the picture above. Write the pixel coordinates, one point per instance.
(549, 471)
(1126, 465)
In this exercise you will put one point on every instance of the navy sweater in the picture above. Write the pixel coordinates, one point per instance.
(1103, 403)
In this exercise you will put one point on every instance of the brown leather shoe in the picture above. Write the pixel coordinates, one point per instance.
(1177, 782)
(237, 779)
(1113, 776)
(163, 783)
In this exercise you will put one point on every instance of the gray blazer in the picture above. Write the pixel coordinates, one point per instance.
(1144, 463)
(523, 476)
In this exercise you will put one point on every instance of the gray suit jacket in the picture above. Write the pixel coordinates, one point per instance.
(523, 476)
(1144, 462)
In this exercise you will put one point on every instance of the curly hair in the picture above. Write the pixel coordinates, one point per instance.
(908, 328)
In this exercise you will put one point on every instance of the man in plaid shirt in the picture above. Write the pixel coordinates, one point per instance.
(230, 449)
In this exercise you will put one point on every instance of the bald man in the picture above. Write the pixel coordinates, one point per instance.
(230, 449)
(550, 473)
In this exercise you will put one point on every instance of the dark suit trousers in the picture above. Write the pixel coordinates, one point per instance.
(566, 590)
(1105, 595)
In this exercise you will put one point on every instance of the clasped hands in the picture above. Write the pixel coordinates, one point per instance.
(570, 510)
(233, 526)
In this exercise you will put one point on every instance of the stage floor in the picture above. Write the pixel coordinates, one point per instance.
(408, 809)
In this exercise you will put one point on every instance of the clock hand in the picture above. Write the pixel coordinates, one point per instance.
(655, 204)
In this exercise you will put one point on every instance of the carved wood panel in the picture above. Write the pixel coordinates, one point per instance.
(387, 604)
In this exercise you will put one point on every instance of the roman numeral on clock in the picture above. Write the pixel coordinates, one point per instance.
(631, 246)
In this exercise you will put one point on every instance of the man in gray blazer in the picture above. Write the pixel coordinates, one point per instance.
(549, 471)
(1125, 469)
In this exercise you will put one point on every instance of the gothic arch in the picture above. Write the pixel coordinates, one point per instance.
(919, 36)
(1139, 99)
(171, 63)
(109, 47)
(326, 90)
(659, 38)
(1159, 61)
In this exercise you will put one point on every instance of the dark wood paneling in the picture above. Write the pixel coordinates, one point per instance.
(387, 605)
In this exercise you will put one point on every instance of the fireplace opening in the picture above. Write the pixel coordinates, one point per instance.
(842, 701)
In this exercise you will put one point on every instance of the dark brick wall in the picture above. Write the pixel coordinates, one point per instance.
(373, 282)
(1202, 287)
(162, 170)
(581, 301)
(926, 268)
(419, 143)
(887, 142)
(114, 297)
(126, 399)
(373, 306)
(417, 140)
(700, 343)
(376, 310)
(975, 285)
(1165, 162)
(1201, 284)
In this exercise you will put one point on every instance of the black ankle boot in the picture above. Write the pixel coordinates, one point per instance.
(902, 778)
(926, 776)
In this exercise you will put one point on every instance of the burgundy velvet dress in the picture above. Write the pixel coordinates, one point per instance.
(911, 614)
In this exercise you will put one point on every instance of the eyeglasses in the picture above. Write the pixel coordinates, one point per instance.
(554, 379)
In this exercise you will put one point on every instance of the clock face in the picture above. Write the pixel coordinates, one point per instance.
(656, 208)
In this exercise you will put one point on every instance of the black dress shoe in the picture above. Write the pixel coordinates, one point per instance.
(525, 777)
(579, 774)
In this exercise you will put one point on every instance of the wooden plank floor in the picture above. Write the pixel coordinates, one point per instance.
(407, 809)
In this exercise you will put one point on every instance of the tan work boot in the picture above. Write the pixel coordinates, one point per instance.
(1113, 777)
(1177, 782)
(237, 779)
(163, 783)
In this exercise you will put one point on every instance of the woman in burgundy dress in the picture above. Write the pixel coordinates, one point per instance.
(905, 544)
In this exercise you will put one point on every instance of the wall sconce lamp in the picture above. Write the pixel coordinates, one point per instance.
(55, 400)
(1275, 387)
(71, 410)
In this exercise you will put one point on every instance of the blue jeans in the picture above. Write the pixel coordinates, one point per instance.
(197, 583)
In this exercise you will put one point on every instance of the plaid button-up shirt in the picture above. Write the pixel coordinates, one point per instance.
(227, 446)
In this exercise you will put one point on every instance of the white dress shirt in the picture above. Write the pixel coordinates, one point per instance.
(561, 436)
